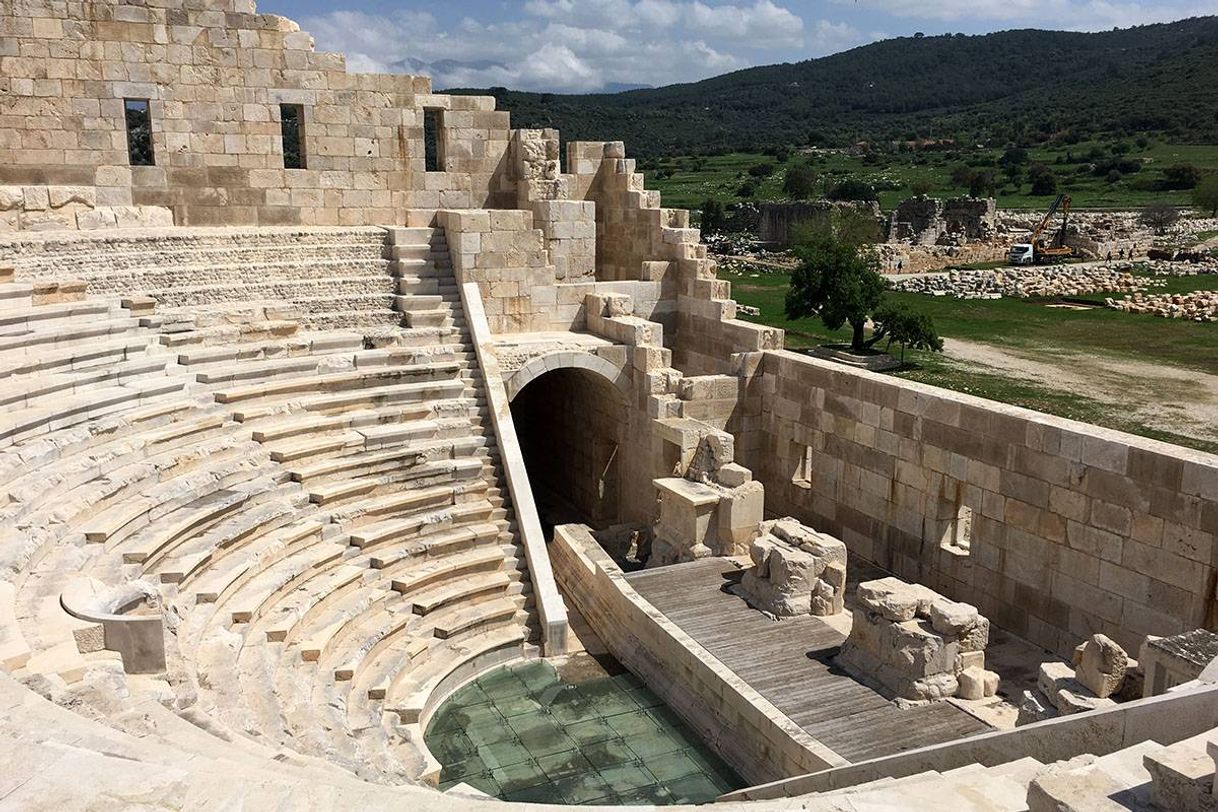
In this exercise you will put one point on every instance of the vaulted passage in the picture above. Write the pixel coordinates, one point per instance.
(570, 423)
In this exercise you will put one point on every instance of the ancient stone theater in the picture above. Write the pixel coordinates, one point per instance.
(359, 451)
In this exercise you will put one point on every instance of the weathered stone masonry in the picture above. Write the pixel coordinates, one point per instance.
(215, 74)
(1074, 529)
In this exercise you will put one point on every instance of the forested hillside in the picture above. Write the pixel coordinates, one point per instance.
(1027, 86)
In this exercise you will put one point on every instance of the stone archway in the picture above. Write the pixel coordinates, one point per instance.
(542, 364)
(572, 422)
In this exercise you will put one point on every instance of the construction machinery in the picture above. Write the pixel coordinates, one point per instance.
(1037, 251)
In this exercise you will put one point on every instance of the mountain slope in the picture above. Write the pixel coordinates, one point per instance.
(1003, 86)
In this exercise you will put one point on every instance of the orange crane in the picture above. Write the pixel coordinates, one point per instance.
(1036, 250)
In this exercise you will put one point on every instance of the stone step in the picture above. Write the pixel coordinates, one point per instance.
(408, 692)
(278, 624)
(25, 392)
(254, 597)
(412, 235)
(72, 410)
(1089, 782)
(380, 462)
(14, 651)
(472, 588)
(17, 318)
(209, 550)
(1182, 774)
(302, 344)
(412, 303)
(439, 317)
(215, 584)
(62, 334)
(418, 374)
(13, 294)
(402, 530)
(97, 352)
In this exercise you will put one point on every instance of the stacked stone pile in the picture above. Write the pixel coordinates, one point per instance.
(1031, 283)
(1199, 305)
(917, 643)
(796, 571)
(1162, 268)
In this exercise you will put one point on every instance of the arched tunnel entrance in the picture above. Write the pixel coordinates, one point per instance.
(571, 424)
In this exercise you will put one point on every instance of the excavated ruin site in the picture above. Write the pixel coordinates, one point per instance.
(360, 451)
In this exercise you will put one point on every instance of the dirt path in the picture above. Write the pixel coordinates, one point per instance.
(1167, 398)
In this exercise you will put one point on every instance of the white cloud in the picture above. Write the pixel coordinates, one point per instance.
(1089, 15)
(578, 45)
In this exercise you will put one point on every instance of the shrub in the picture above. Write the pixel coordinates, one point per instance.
(1181, 176)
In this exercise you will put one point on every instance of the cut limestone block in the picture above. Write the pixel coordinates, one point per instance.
(917, 643)
(1100, 664)
(796, 571)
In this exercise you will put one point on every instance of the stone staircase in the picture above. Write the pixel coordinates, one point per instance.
(318, 515)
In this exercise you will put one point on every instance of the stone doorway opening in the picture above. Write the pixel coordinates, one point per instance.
(571, 424)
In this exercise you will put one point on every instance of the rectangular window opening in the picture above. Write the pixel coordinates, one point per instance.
(139, 132)
(803, 467)
(958, 536)
(291, 125)
(433, 139)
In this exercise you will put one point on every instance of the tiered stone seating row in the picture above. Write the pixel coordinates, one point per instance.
(317, 515)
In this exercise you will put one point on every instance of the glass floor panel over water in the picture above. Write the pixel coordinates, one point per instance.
(525, 733)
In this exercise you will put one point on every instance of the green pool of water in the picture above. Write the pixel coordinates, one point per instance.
(525, 733)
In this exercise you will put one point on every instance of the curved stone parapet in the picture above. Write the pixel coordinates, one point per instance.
(122, 613)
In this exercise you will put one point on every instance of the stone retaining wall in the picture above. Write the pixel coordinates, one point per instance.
(1054, 529)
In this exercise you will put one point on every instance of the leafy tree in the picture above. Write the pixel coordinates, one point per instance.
(1205, 196)
(1044, 182)
(837, 280)
(921, 187)
(1181, 176)
(983, 183)
(800, 182)
(906, 326)
(713, 215)
(852, 189)
(1014, 156)
(1014, 173)
(962, 176)
(1160, 217)
(747, 189)
(762, 170)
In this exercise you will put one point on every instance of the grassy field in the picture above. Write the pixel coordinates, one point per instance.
(1027, 326)
(696, 179)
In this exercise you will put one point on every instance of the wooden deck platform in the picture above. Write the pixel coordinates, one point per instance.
(789, 662)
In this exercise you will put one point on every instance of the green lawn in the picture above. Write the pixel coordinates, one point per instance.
(695, 180)
(1021, 324)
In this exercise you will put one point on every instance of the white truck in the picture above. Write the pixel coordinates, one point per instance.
(1022, 253)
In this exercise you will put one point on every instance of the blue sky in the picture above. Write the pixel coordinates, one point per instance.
(592, 45)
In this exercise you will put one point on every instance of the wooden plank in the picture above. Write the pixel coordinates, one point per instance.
(790, 663)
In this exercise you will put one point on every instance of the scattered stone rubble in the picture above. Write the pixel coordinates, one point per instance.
(1163, 268)
(1027, 283)
(1102, 674)
(796, 571)
(1199, 305)
(917, 643)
